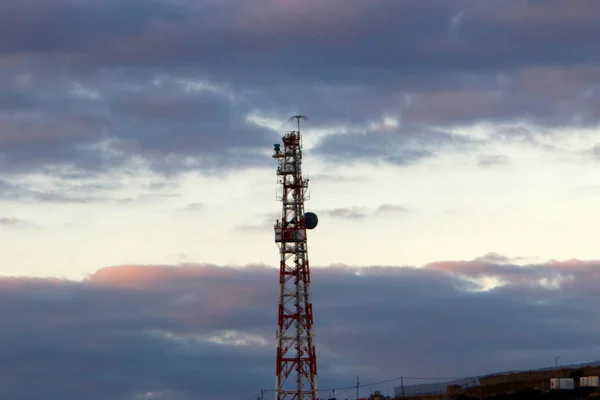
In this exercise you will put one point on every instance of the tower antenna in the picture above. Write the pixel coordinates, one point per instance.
(298, 118)
(296, 354)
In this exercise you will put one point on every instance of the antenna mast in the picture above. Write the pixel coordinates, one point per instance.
(298, 118)
(296, 353)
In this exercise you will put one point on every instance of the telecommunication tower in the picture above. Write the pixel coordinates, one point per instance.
(296, 371)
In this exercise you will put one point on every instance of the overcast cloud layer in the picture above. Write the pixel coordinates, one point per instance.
(197, 331)
(92, 84)
(110, 109)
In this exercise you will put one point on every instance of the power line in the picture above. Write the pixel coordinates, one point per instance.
(346, 388)
(451, 378)
(397, 379)
(256, 396)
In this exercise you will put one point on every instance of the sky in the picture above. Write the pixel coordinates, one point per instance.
(453, 153)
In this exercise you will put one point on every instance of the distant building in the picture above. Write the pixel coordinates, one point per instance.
(589, 381)
(434, 388)
(562, 384)
(377, 396)
(497, 378)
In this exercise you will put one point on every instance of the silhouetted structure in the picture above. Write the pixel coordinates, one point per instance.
(296, 353)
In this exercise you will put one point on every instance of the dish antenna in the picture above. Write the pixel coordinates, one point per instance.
(311, 220)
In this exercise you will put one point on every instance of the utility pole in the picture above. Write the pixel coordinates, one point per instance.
(402, 385)
(262, 394)
(357, 386)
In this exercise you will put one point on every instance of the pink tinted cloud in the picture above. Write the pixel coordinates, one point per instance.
(160, 40)
(553, 83)
(455, 105)
(264, 25)
(194, 292)
(465, 268)
(21, 14)
(200, 297)
(294, 20)
(134, 276)
(187, 297)
(550, 19)
(541, 91)
(148, 276)
(31, 130)
(244, 283)
(580, 274)
(107, 329)
(18, 283)
(192, 296)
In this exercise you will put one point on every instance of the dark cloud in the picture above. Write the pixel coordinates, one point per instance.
(67, 26)
(596, 151)
(391, 208)
(495, 258)
(491, 160)
(184, 332)
(172, 123)
(265, 221)
(324, 46)
(26, 193)
(9, 221)
(360, 213)
(193, 207)
(98, 84)
(346, 213)
(395, 145)
(335, 178)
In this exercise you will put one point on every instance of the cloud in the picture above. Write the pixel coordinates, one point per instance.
(492, 160)
(398, 146)
(596, 151)
(8, 222)
(54, 26)
(359, 213)
(184, 331)
(60, 191)
(495, 258)
(172, 123)
(193, 207)
(267, 221)
(391, 208)
(335, 178)
(172, 85)
(346, 213)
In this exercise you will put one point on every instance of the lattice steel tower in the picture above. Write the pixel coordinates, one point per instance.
(296, 372)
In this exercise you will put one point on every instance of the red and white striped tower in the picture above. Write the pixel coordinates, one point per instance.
(296, 373)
